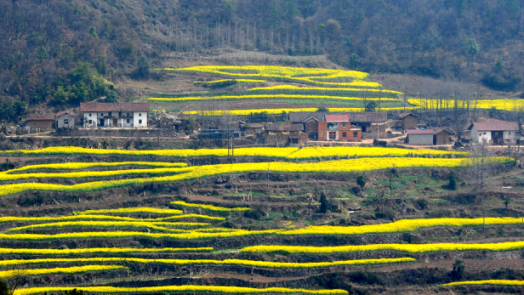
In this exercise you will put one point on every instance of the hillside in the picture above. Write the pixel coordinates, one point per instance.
(45, 44)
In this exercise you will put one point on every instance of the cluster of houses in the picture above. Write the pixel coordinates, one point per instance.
(92, 115)
(300, 128)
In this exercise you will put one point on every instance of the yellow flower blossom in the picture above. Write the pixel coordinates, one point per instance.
(177, 289)
(287, 110)
(408, 248)
(59, 270)
(488, 282)
(79, 251)
(104, 217)
(271, 96)
(133, 210)
(328, 89)
(157, 226)
(500, 104)
(78, 166)
(339, 166)
(209, 207)
(181, 262)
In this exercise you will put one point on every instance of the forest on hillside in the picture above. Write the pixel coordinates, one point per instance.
(62, 52)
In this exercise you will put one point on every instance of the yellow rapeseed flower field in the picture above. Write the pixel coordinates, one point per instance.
(59, 270)
(133, 210)
(177, 289)
(4, 219)
(78, 166)
(500, 104)
(157, 226)
(488, 282)
(287, 110)
(225, 80)
(408, 248)
(298, 89)
(306, 75)
(79, 251)
(407, 225)
(93, 174)
(268, 152)
(209, 207)
(270, 96)
(339, 166)
(183, 262)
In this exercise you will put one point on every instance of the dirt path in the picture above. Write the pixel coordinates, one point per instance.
(251, 278)
(472, 265)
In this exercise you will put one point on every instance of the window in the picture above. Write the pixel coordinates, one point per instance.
(344, 126)
(66, 121)
(90, 115)
(344, 134)
(322, 132)
(355, 134)
(139, 121)
(128, 114)
(109, 113)
(140, 114)
(127, 120)
(90, 121)
(102, 114)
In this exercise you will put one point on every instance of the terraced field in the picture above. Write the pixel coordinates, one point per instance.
(244, 90)
(251, 227)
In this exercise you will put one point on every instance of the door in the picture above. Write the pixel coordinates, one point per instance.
(115, 122)
(332, 135)
(102, 123)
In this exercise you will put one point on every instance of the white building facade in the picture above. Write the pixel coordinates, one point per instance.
(65, 119)
(114, 115)
(494, 133)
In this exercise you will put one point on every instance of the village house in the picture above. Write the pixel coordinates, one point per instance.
(338, 128)
(284, 134)
(65, 119)
(409, 120)
(254, 128)
(120, 115)
(39, 122)
(420, 137)
(497, 133)
(368, 122)
(442, 137)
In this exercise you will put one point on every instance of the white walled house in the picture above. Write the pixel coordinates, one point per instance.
(114, 115)
(494, 132)
(65, 119)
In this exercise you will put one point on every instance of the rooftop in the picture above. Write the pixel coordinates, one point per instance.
(495, 126)
(114, 107)
(284, 127)
(65, 112)
(337, 118)
(371, 117)
(427, 131)
(407, 114)
(40, 117)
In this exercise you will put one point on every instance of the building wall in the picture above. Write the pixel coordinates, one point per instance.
(510, 136)
(122, 119)
(480, 137)
(311, 128)
(70, 121)
(90, 120)
(140, 119)
(421, 139)
(410, 122)
(351, 134)
(442, 138)
(40, 125)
